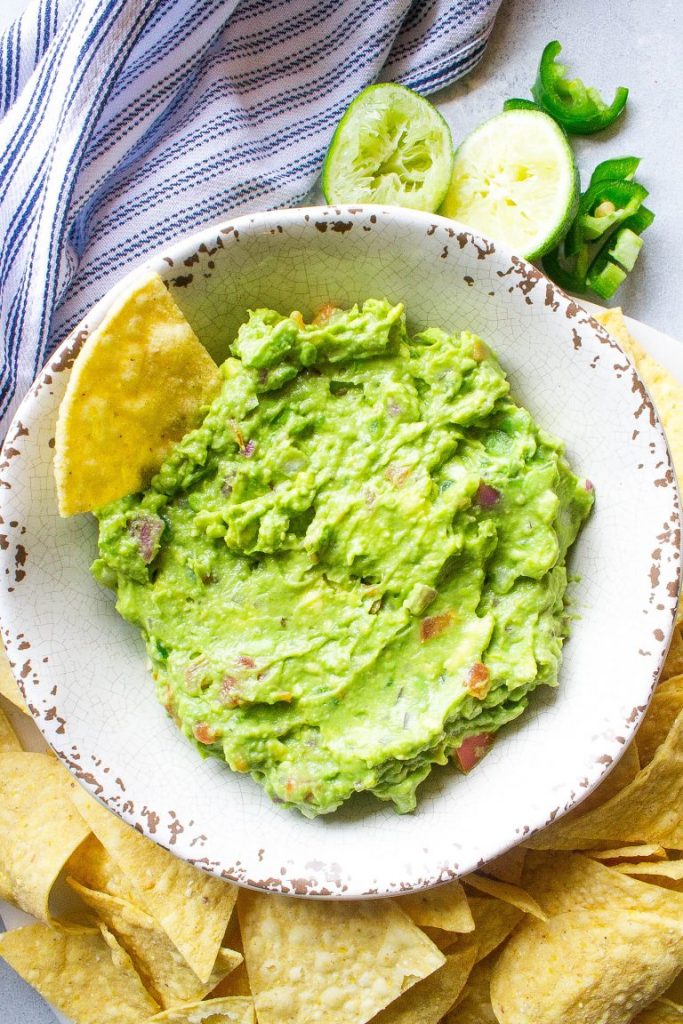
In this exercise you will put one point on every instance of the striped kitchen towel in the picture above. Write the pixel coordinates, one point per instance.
(128, 123)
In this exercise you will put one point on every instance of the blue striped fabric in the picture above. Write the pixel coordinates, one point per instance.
(129, 123)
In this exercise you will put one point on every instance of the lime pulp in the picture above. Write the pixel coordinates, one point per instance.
(391, 146)
(515, 181)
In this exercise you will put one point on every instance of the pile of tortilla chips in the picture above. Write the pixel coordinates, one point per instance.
(581, 925)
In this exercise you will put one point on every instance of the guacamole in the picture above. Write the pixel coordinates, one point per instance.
(355, 563)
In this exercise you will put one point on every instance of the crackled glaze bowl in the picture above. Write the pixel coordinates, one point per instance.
(83, 669)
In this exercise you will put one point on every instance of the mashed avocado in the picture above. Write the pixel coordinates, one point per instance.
(356, 562)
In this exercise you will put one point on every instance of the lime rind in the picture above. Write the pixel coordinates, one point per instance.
(391, 146)
(515, 181)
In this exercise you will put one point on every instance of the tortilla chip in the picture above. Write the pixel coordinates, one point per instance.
(9, 688)
(442, 940)
(673, 666)
(428, 1000)
(137, 386)
(6, 887)
(8, 738)
(444, 907)
(662, 1011)
(647, 810)
(84, 975)
(94, 868)
(235, 984)
(493, 922)
(39, 828)
(644, 852)
(562, 882)
(192, 907)
(551, 971)
(675, 990)
(508, 867)
(666, 392)
(212, 1011)
(506, 892)
(310, 961)
(474, 1007)
(665, 706)
(164, 970)
(667, 873)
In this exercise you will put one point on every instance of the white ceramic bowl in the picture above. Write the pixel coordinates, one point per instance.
(83, 668)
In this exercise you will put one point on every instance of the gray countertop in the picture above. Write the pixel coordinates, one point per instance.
(636, 43)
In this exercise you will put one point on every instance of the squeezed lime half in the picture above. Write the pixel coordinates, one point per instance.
(391, 146)
(515, 181)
